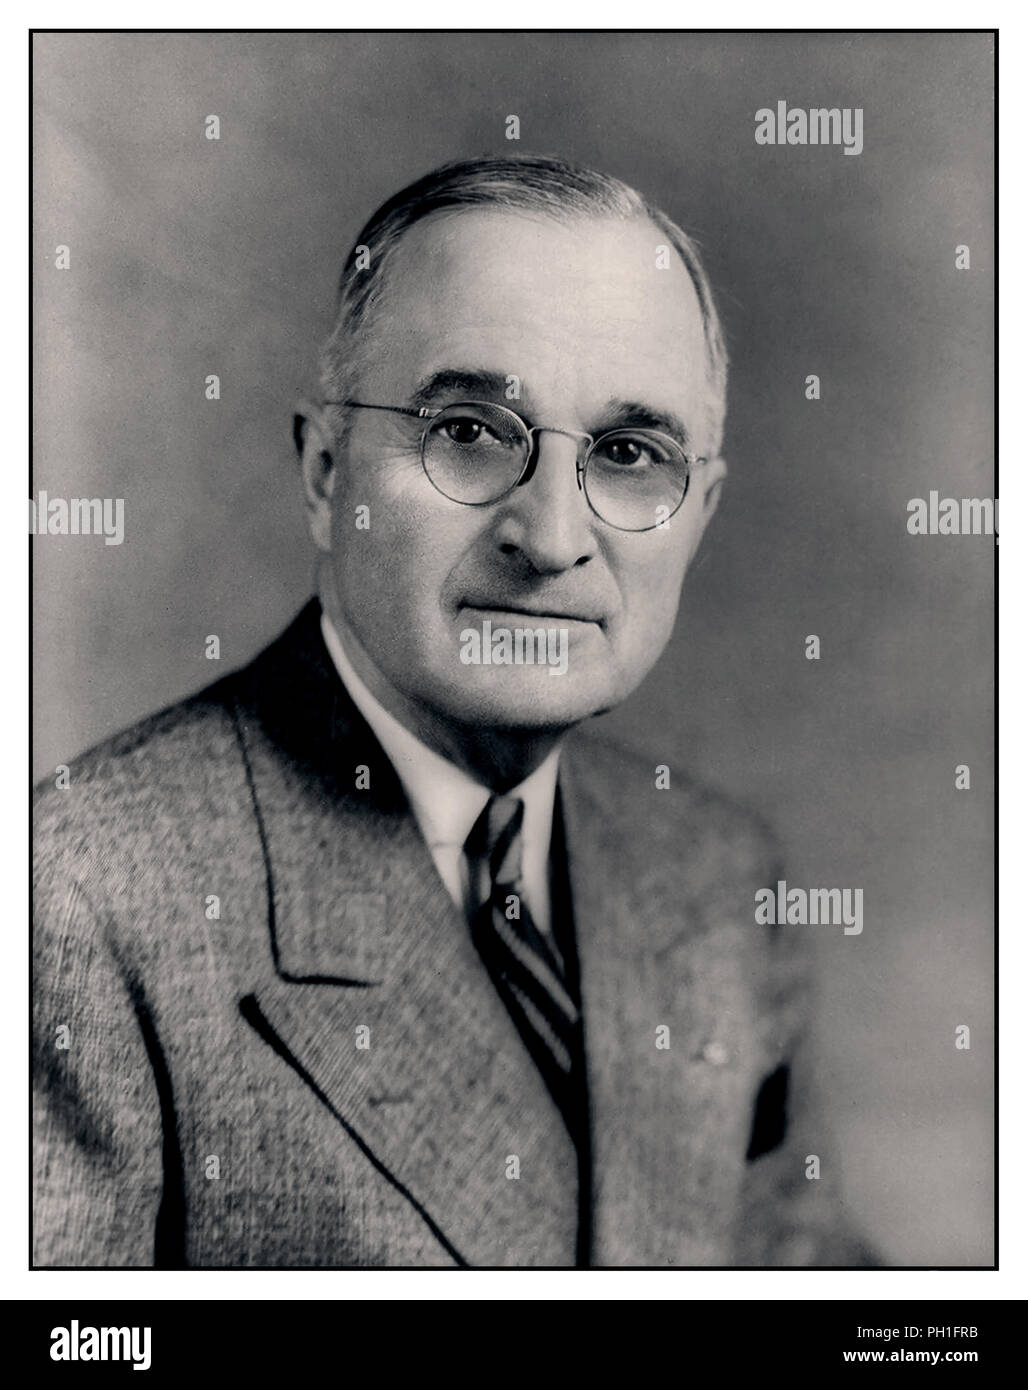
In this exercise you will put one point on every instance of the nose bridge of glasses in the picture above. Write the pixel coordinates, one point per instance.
(579, 436)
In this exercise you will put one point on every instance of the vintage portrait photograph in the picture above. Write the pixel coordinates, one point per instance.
(513, 537)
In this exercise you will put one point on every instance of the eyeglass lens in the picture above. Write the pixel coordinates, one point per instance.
(476, 453)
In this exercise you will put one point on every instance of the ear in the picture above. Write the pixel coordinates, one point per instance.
(712, 479)
(317, 451)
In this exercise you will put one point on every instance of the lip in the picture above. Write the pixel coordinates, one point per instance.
(498, 609)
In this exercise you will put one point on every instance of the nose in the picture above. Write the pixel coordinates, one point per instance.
(546, 518)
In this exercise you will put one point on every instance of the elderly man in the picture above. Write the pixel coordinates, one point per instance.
(356, 957)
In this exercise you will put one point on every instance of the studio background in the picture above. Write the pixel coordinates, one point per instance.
(191, 257)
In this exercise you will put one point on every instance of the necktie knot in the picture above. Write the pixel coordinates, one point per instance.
(495, 839)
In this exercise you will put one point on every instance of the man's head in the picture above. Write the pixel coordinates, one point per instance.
(557, 293)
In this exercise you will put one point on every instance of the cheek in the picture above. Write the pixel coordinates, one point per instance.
(386, 486)
(651, 584)
(408, 540)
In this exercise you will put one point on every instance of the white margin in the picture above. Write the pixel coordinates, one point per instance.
(16, 1281)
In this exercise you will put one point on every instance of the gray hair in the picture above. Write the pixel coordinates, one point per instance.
(531, 183)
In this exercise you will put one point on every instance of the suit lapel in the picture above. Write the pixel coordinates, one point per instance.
(613, 1015)
(657, 1173)
(367, 947)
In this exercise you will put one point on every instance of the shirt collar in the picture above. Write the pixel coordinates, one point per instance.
(446, 800)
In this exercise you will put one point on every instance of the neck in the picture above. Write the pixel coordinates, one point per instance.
(498, 758)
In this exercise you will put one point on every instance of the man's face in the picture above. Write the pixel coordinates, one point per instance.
(598, 338)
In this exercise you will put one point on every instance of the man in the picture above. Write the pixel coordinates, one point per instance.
(357, 958)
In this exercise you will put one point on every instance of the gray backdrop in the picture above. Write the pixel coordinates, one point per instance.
(191, 256)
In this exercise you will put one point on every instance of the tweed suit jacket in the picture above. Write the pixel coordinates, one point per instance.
(263, 1036)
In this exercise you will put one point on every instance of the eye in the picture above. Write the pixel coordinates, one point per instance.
(463, 430)
(467, 431)
(626, 451)
(475, 432)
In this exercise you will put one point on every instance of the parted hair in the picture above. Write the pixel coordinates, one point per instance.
(542, 184)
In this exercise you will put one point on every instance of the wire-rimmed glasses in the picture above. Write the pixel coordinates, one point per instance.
(476, 452)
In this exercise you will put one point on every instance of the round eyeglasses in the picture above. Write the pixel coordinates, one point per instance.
(475, 453)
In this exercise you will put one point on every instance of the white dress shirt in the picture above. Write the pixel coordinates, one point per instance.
(446, 801)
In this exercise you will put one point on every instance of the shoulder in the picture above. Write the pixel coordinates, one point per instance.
(668, 812)
(164, 761)
(128, 834)
(136, 823)
(127, 841)
(182, 764)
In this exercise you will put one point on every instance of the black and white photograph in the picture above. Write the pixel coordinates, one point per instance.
(513, 539)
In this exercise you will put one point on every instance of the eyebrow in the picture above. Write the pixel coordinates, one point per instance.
(473, 384)
(458, 381)
(647, 417)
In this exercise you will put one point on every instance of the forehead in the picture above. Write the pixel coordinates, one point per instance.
(580, 310)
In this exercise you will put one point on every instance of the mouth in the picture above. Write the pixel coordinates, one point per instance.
(519, 613)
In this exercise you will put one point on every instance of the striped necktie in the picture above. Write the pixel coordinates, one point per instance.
(523, 965)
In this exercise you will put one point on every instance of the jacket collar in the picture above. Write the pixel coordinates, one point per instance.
(446, 800)
(364, 934)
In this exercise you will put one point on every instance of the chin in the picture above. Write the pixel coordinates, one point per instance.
(527, 699)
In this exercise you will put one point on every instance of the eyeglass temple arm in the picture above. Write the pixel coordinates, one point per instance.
(422, 414)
